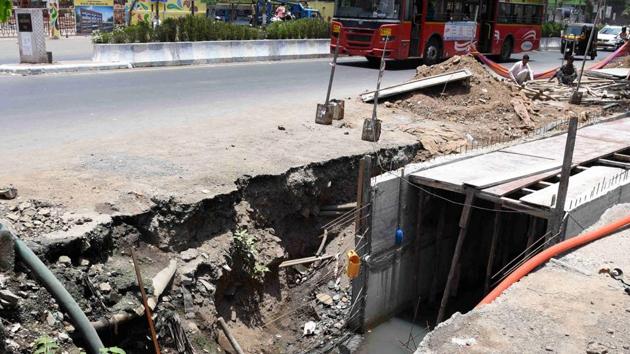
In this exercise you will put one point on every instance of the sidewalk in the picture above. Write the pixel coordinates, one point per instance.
(64, 49)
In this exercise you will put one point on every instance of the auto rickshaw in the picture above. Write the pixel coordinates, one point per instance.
(575, 40)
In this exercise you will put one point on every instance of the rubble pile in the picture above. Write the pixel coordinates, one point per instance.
(34, 217)
(486, 106)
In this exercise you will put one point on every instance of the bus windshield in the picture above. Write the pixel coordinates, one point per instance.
(376, 9)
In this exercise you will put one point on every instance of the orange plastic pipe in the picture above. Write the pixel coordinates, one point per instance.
(553, 251)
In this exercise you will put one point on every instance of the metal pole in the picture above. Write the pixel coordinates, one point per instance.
(588, 47)
(556, 219)
(332, 70)
(378, 83)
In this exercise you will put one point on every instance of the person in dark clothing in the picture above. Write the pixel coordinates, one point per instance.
(567, 73)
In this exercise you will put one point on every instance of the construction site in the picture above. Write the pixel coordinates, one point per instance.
(466, 179)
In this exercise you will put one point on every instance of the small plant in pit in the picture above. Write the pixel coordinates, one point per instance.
(245, 249)
(45, 345)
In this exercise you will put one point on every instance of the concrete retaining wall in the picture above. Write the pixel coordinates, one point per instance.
(588, 214)
(181, 53)
(392, 268)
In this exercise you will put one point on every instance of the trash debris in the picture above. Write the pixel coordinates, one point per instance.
(309, 328)
(324, 299)
(9, 192)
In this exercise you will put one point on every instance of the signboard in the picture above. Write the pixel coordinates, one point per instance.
(92, 15)
(459, 30)
(25, 24)
(26, 44)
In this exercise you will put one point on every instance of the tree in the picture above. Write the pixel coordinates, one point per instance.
(5, 10)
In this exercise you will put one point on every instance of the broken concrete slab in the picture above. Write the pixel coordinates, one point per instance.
(419, 84)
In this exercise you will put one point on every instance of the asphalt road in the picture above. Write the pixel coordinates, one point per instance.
(55, 109)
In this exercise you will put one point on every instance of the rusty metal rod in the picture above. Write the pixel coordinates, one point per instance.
(147, 309)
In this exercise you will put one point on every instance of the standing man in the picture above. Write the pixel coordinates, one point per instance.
(521, 72)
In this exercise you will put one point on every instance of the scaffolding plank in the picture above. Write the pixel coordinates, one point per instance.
(414, 85)
(579, 184)
(586, 148)
(506, 188)
(487, 170)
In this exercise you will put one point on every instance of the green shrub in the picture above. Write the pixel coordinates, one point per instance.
(119, 35)
(197, 28)
(298, 29)
(167, 31)
(551, 29)
(245, 249)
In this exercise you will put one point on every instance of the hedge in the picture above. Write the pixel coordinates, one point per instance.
(194, 28)
(552, 29)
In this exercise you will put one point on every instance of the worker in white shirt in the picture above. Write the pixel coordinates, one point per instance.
(521, 72)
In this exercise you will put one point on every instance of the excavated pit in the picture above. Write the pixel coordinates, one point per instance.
(214, 277)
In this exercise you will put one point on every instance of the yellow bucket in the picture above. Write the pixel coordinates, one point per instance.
(354, 264)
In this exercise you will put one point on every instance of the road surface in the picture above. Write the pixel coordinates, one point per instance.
(179, 130)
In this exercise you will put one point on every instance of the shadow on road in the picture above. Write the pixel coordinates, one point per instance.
(391, 65)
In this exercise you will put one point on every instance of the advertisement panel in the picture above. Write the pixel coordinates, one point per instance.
(145, 9)
(459, 30)
(94, 15)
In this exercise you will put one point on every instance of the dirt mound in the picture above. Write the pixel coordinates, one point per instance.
(484, 103)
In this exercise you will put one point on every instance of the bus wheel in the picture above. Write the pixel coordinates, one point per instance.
(506, 50)
(432, 52)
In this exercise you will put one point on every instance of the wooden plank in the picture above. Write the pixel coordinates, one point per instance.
(531, 230)
(621, 157)
(579, 184)
(517, 205)
(305, 260)
(488, 170)
(506, 188)
(419, 84)
(493, 246)
(554, 224)
(614, 163)
(464, 221)
(439, 236)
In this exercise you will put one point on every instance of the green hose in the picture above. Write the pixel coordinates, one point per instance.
(57, 290)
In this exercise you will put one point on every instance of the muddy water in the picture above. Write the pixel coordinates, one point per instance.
(391, 337)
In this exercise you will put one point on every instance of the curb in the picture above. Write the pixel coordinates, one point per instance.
(37, 69)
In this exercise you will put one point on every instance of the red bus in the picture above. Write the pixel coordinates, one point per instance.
(436, 29)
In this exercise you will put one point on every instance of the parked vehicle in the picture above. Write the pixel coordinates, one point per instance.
(575, 39)
(608, 37)
(436, 29)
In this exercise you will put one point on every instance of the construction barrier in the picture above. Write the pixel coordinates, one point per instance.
(503, 72)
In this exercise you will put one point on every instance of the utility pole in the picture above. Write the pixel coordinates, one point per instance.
(576, 97)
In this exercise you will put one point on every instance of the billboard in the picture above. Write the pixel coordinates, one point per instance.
(94, 15)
